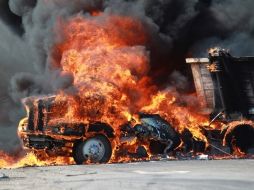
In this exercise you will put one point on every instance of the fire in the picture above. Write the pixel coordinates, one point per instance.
(107, 57)
(181, 117)
(109, 64)
(30, 159)
(232, 137)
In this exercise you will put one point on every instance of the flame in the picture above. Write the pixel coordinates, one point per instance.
(109, 64)
(230, 127)
(31, 159)
(107, 57)
(110, 68)
(181, 117)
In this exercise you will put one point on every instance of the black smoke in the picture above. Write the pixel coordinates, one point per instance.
(178, 29)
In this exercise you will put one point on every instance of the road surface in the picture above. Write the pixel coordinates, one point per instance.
(168, 175)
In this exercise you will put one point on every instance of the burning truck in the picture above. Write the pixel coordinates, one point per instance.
(45, 130)
(224, 86)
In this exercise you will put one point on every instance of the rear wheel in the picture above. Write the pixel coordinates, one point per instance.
(240, 137)
(95, 149)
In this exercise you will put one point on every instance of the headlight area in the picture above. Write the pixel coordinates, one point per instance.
(23, 125)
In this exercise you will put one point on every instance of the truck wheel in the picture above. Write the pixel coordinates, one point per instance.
(95, 149)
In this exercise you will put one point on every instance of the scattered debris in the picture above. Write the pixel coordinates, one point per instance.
(202, 157)
(3, 176)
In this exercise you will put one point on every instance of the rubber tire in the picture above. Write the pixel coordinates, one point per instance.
(141, 152)
(80, 159)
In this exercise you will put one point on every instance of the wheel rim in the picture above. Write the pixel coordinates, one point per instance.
(93, 149)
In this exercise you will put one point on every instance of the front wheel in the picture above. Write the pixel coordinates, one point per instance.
(95, 149)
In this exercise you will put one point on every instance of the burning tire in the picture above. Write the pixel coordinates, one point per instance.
(96, 149)
(240, 137)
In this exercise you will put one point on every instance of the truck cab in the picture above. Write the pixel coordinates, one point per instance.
(45, 128)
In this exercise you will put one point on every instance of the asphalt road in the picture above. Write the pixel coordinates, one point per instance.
(168, 175)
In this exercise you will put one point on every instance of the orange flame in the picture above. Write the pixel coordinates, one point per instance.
(109, 66)
(107, 58)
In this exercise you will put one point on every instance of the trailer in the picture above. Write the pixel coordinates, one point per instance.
(225, 88)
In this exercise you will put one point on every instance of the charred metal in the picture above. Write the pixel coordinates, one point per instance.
(225, 85)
